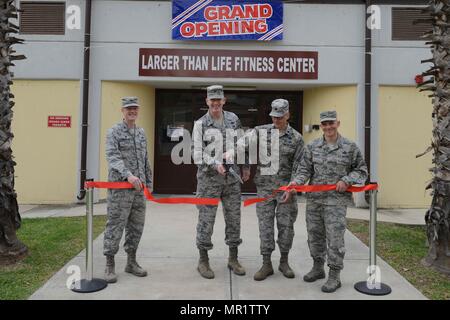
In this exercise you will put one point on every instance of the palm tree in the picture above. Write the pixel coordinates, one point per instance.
(438, 216)
(11, 248)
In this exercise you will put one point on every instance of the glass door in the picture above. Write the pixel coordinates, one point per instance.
(178, 109)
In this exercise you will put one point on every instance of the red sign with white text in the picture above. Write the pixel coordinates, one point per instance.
(59, 121)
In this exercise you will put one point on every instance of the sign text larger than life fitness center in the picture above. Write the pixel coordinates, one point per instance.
(229, 64)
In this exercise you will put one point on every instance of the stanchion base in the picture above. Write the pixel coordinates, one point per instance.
(86, 286)
(382, 291)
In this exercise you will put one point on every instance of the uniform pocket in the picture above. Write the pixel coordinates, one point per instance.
(287, 151)
(342, 165)
(318, 164)
(126, 144)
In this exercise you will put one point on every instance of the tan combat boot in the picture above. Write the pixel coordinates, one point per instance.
(133, 267)
(110, 275)
(266, 269)
(284, 266)
(317, 271)
(233, 263)
(334, 282)
(203, 265)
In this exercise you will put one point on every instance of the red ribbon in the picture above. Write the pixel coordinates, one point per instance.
(313, 188)
(149, 196)
(215, 201)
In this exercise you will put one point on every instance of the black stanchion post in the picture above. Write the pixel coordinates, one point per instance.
(90, 284)
(373, 285)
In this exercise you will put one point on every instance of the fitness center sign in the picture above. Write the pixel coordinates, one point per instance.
(228, 64)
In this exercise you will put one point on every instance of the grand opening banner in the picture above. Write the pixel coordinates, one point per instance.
(227, 20)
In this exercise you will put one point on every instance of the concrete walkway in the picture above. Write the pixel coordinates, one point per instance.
(168, 252)
(403, 216)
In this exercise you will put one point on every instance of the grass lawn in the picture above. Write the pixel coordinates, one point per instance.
(403, 247)
(52, 242)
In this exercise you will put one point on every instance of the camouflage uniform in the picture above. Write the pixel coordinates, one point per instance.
(290, 153)
(126, 152)
(323, 163)
(210, 184)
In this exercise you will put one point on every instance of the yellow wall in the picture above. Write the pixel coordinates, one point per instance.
(46, 157)
(342, 99)
(405, 131)
(46, 170)
(112, 92)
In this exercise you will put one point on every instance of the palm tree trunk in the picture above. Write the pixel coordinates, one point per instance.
(438, 216)
(11, 248)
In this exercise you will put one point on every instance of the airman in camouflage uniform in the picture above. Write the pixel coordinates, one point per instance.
(126, 152)
(289, 155)
(331, 159)
(214, 182)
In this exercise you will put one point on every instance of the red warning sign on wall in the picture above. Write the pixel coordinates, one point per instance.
(59, 121)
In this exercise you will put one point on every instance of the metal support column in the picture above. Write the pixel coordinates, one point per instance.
(89, 284)
(373, 285)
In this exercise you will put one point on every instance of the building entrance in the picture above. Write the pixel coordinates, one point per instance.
(177, 109)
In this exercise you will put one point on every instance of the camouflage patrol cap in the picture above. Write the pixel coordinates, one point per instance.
(279, 108)
(130, 102)
(215, 92)
(328, 116)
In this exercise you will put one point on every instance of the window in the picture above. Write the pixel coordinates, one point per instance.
(42, 17)
(403, 27)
